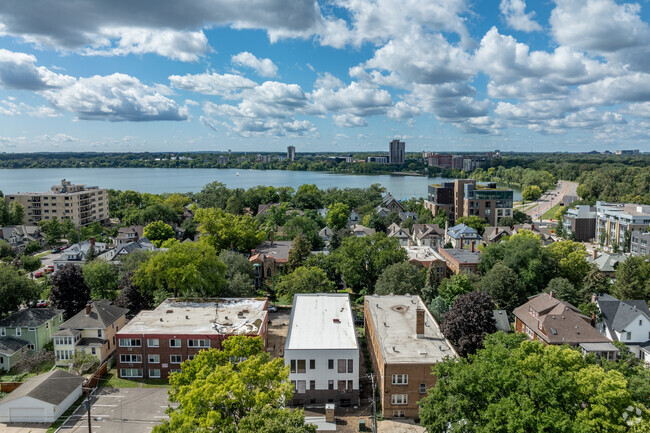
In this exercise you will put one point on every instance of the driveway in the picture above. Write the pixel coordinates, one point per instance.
(121, 410)
(24, 427)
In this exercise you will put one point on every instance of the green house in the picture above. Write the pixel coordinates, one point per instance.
(31, 329)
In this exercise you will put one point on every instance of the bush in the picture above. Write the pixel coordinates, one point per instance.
(32, 362)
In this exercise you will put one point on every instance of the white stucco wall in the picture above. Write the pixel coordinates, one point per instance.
(322, 374)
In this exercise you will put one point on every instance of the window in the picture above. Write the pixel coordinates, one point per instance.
(350, 365)
(350, 385)
(398, 414)
(399, 399)
(175, 342)
(301, 386)
(130, 342)
(400, 379)
(330, 385)
(130, 358)
(423, 388)
(198, 343)
(293, 366)
(341, 386)
(153, 342)
(312, 364)
(3, 332)
(312, 385)
(99, 333)
(330, 364)
(19, 332)
(154, 373)
(130, 372)
(93, 350)
(154, 359)
(341, 366)
(629, 336)
(63, 355)
(31, 347)
(34, 329)
(175, 359)
(190, 357)
(302, 366)
(640, 322)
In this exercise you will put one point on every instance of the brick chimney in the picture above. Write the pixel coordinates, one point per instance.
(272, 236)
(594, 254)
(461, 243)
(472, 246)
(496, 230)
(92, 241)
(89, 307)
(552, 293)
(593, 319)
(419, 322)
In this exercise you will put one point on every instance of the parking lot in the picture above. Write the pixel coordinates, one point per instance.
(121, 410)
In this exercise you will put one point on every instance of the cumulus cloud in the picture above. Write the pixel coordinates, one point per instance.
(514, 11)
(212, 83)
(116, 97)
(263, 67)
(18, 71)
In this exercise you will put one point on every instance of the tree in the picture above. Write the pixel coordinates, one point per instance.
(441, 218)
(214, 194)
(29, 263)
(82, 362)
(5, 249)
(15, 289)
(187, 269)
(531, 193)
(101, 278)
(239, 274)
(374, 221)
(595, 282)
(393, 217)
(303, 280)
(131, 262)
(32, 247)
(503, 286)
(632, 279)
(451, 288)
(16, 213)
(308, 197)
(302, 225)
(224, 231)
(216, 395)
(337, 216)
(158, 232)
(474, 222)
(53, 230)
(69, 291)
(438, 308)
(300, 250)
(131, 296)
(399, 279)
(468, 321)
(565, 291)
(523, 386)
(571, 263)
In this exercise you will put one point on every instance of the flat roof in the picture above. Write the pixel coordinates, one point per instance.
(599, 347)
(321, 321)
(222, 316)
(422, 253)
(462, 256)
(393, 318)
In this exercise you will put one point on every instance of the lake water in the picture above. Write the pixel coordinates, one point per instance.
(159, 180)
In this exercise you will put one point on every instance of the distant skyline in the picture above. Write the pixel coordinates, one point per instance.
(335, 76)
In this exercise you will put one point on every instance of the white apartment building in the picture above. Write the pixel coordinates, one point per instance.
(615, 223)
(322, 350)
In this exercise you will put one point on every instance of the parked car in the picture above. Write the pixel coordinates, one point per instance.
(48, 269)
(42, 304)
(273, 309)
(38, 274)
(57, 250)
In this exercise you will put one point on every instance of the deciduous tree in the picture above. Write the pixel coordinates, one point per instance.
(337, 216)
(399, 279)
(303, 280)
(101, 278)
(224, 231)
(69, 291)
(451, 288)
(468, 321)
(502, 284)
(15, 289)
(158, 232)
(239, 274)
(300, 250)
(531, 193)
(474, 222)
(131, 296)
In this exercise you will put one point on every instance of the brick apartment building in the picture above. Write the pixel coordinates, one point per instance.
(155, 342)
(404, 342)
(460, 261)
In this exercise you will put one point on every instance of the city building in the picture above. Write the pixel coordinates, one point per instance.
(21, 236)
(323, 369)
(438, 160)
(626, 321)
(580, 221)
(269, 258)
(155, 342)
(396, 152)
(404, 342)
(80, 203)
(460, 261)
(640, 243)
(552, 321)
(628, 152)
(91, 331)
(615, 223)
(377, 159)
(464, 197)
(291, 153)
(263, 158)
(30, 328)
(427, 257)
(462, 236)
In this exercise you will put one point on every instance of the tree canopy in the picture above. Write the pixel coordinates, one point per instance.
(337, 216)
(502, 284)
(303, 280)
(158, 232)
(15, 289)
(632, 279)
(239, 274)
(224, 231)
(69, 291)
(399, 279)
(468, 321)
(101, 278)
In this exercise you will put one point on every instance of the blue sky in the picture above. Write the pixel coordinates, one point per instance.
(258, 75)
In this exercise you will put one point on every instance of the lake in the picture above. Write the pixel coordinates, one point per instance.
(159, 180)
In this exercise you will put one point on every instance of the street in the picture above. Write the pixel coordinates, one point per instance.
(549, 199)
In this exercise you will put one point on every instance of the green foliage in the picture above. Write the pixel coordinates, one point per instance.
(438, 308)
(374, 221)
(158, 232)
(69, 291)
(16, 214)
(326, 262)
(632, 279)
(451, 288)
(131, 296)
(187, 269)
(15, 289)
(300, 250)
(5, 249)
(515, 386)
(441, 218)
(101, 278)
(32, 247)
(303, 280)
(131, 262)
(531, 193)
(337, 216)
(474, 222)
(239, 274)
(224, 231)
(595, 282)
(52, 229)
(502, 284)
(308, 197)
(571, 264)
(29, 263)
(399, 279)
(305, 226)
(82, 362)
(565, 291)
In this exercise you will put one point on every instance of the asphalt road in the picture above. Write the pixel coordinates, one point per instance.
(548, 200)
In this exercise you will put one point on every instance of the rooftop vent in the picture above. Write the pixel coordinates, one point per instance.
(187, 317)
(161, 319)
(554, 331)
(336, 321)
(169, 311)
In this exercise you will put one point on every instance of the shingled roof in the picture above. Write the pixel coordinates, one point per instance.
(617, 315)
(10, 344)
(29, 318)
(52, 387)
(102, 314)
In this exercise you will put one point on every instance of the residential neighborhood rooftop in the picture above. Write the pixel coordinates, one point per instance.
(29, 317)
(461, 256)
(102, 314)
(218, 316)
(52, 387)
(321, 321)
(10, 344)
(394, 319)
(279, 250)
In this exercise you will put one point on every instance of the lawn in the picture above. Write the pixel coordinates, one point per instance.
(156, 383)
(551, 212)
(41, 255)
(59, 422)
(110, 380)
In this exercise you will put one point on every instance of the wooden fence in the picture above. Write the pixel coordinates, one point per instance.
(94, 379)
(9, 386)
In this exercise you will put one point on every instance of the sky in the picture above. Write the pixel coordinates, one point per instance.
(340, 75)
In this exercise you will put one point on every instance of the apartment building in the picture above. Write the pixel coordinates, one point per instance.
(155, 342)
(396, 152)
(322, 351)
(580, 221)
(80, 203)
(615, 223)
(640, 243)
(464, 197)
(404, 341)
(460, 261)
(291, 153)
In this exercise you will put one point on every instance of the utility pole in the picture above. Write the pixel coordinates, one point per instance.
(374, 405)
(88, 390)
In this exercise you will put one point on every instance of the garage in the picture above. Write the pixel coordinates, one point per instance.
(41, 399)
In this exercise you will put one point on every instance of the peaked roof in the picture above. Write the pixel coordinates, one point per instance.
(102, 314)
(52, 387)
(617, 314)
(394, 230)
(388, 199)
(29, 317)
(501, 319)
(494, 233)
(463, 230)
(10, 344)
(607, 262)
(423, 230)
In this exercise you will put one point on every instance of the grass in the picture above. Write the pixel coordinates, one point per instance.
(59, 422)
(156, 383)
(551, 212)
(41, 255)
(110, 380)
(16, 377)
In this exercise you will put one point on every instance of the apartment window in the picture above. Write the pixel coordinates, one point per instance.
(341, 386)
(3, 332)
(93, 351)
(99, 333)
(175, 342)
(19, 332)
(130, 372)
(154, 373)
(350, 365)
(399, 399)
(398, 414)
(293, 366)
(302, 366)
(312, 385)
(301, 386)
(63, 355)
(400, 379)
(198, 343)
(341, 366)
(312, 364)
(330, 385)
(350, 385)
(175, 359)
(190, 357)
(629, 336)
(330, 364)
(130, 358)
(154, 359)
(423, 388)
(640, 322)
(174, 370)
(130, 342)
(153, 342)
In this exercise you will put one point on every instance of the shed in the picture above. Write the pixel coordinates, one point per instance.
(41, 399)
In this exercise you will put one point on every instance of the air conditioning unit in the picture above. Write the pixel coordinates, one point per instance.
(130, 349)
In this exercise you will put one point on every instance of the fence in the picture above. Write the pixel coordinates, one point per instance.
(9, 386)
(94, 379)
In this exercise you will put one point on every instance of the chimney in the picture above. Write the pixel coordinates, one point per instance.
(532, 227)
(272, 236)
(89, 307)
(461, 242)
(419, 322)
(595, 254)
(472, 246)
(593, 319)
(552, 293)
(496, 230)
(594, 298)
(92, 241)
